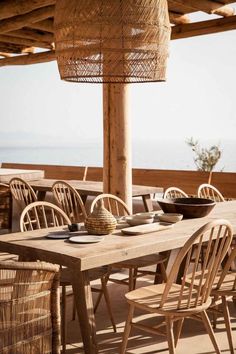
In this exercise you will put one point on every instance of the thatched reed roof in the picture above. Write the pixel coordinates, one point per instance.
(27, 25)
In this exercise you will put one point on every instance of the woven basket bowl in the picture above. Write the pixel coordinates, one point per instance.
(100, 221)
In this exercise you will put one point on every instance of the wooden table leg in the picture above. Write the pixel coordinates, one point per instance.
(85, 311)
(15, 222)
(84, 198)
(147, 202)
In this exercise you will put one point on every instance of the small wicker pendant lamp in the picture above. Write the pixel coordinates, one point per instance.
(112, 41)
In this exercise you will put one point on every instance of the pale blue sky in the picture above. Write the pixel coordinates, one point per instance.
(197, 100)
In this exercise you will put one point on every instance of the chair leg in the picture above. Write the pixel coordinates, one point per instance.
(101, 293)
(209, 330)
(227, 324)
(63, 319)
(215, 315)
(170, 334)
(131, 279)
(127, 329)
(135, 277)
(73, 310)
(178, 330)
(108, 303)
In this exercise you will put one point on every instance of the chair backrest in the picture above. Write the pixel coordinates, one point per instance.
(29, 307)
(210, 192)
(229, 269)
(42, 215)
(22, 192)
(69, 201)
(174, 192)
(112, 203)
(218, 235)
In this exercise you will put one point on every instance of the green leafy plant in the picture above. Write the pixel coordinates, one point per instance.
(205, 159)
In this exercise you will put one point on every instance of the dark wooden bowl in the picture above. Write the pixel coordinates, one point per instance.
(189, 207)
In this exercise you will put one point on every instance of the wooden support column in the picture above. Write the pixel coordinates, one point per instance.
(117, 170)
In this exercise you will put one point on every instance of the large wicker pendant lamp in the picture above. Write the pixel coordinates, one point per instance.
(117, 41)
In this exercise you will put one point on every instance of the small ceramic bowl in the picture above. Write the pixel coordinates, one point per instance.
(134, 221)
(170, 217)
(147, 215)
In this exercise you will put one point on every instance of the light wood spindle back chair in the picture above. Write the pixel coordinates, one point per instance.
(210, 192)
(118, 208)
(22, 192)
(225, 288)
(113, 204)
(69, 201)
(29, 308)
(190, 297)
(41, 215)
(174, 192)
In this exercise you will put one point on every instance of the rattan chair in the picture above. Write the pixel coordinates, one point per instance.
(69, 201)
(210, 192)
(41, 215)
(29, 308)
(177, 301)
(22, 192)
(174, 192)
(118, 208)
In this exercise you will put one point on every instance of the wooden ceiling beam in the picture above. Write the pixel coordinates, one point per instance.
(178, 19)
(45, 25)
(10, 8)
(33, 34)
(29, 59)
(20, 21)
(208, 6)
(24, 41)
(204, 27)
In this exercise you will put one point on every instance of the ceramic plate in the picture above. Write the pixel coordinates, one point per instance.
(86, 239)
(58, 235)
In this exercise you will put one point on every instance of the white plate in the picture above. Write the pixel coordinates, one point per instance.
(58, 235)
(86, 239)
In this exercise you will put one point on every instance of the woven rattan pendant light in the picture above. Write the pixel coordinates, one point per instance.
(117, 41)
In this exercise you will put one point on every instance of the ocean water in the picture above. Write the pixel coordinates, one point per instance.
(156, 155)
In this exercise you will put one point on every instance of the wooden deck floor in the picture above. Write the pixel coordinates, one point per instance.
(194, 339)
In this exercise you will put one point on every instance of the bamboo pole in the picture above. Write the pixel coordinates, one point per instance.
(24, 42)
(208, 6)
(204, 27)
(20, 21)
(178, 19)
(10, 8)
(117, 171)
(29, 59)
(45, 25)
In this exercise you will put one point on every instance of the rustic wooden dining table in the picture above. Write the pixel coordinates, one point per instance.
(80, 258)
(94, 188)
(6, 174)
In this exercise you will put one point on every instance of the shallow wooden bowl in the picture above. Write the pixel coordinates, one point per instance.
(134, 221)
(170, 217)
(189, 207)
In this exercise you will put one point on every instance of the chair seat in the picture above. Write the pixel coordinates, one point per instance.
(140, 262)
(226, 286)
(149, 298)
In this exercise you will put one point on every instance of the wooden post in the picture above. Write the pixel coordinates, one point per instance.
(117, 170)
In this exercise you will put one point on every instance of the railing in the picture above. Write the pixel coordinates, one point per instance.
(186, 180)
